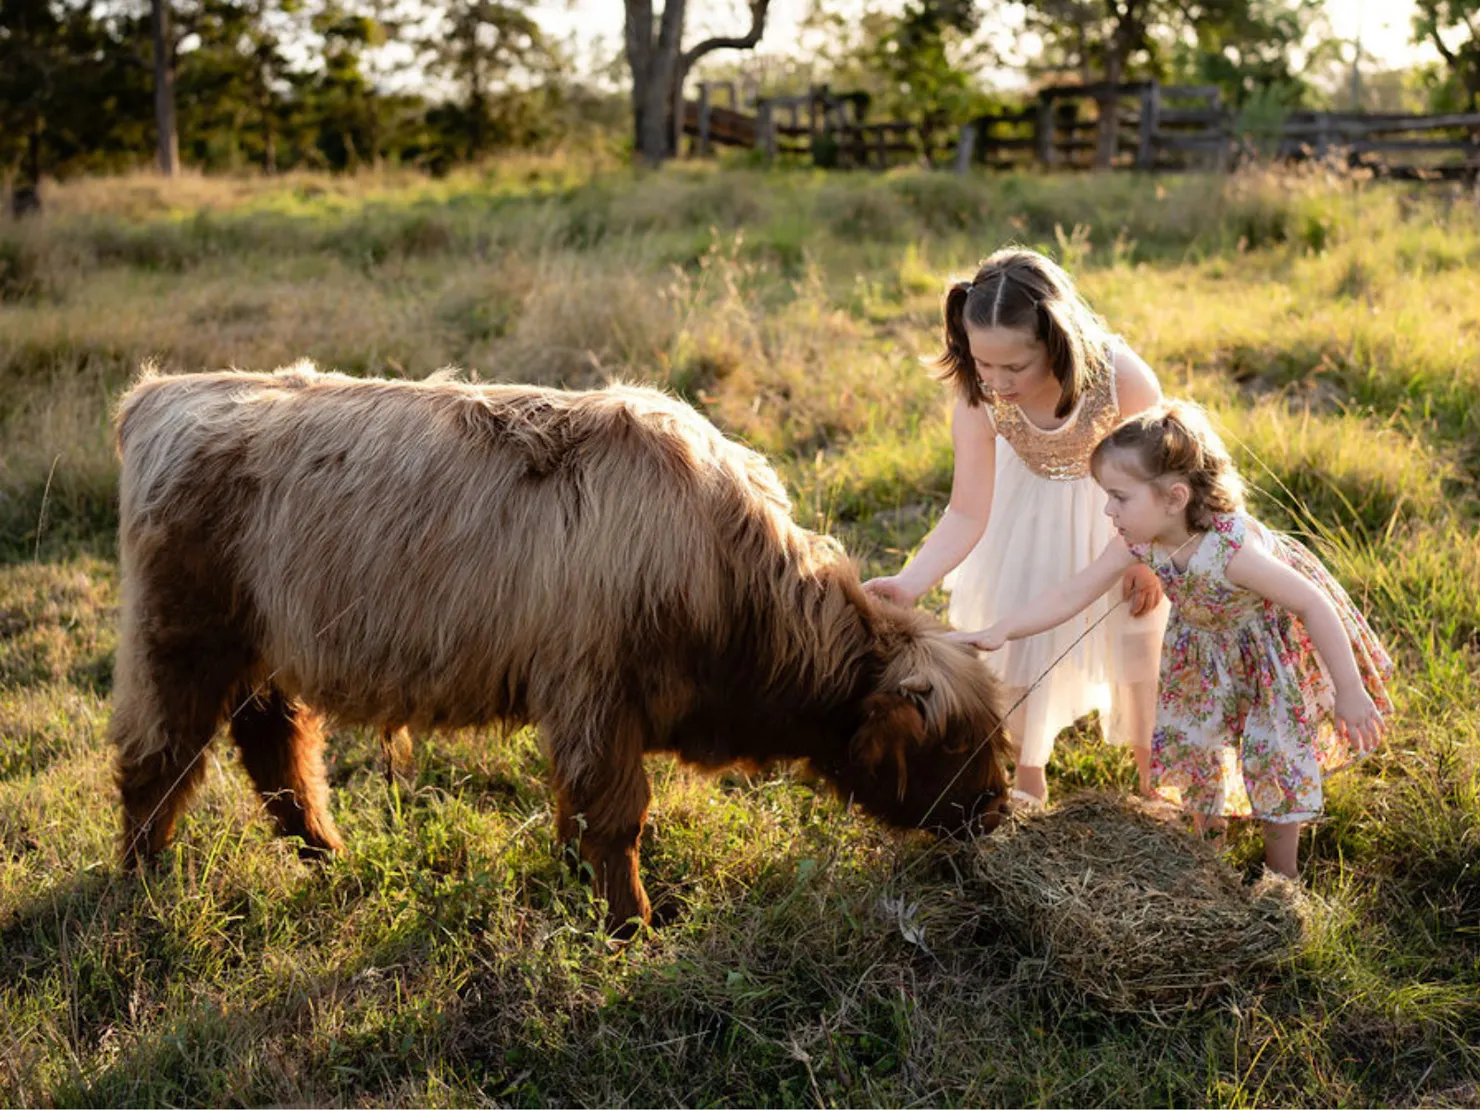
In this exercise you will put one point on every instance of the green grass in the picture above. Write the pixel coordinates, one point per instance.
(806, 955)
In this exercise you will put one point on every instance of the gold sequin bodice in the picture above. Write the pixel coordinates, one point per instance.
(1062, 455)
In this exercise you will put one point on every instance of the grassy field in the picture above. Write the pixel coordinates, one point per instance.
(1333, 327)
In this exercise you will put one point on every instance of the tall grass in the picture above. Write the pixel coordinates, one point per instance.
(805, 955)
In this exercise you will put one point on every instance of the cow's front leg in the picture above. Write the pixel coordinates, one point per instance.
(602, 797)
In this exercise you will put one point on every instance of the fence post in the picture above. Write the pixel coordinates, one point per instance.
(965, 147)
(1043, 131)
(765, 122)
(1223, 152)
(1149, 123)
(703, 119)
(881, 145)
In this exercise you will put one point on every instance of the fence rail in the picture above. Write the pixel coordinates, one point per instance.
(1141, 125)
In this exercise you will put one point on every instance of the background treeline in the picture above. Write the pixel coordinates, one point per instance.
(280, 84)
(344, 84)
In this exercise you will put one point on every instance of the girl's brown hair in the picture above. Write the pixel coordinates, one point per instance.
(1022, 289)
(1175, 440)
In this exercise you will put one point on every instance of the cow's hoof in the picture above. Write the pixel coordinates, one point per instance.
(619, 934)
(316, 853)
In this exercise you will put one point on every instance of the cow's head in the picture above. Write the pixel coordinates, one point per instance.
(929, 744)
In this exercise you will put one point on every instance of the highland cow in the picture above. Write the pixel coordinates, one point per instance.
(443, 554)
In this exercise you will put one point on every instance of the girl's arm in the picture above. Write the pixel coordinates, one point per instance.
(1254, 568)
(974, 442)
(1136, 390)
(1054, 607)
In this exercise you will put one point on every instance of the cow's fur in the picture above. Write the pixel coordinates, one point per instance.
(444, 554)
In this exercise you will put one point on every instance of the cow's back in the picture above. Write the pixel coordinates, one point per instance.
(444, 552)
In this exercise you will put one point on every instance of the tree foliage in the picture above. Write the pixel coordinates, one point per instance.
(274, 84)
(1243, 46)
(1453, 28)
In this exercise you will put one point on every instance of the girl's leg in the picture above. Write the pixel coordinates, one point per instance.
(1029, 773)
(1212, 829)
(1034, 781)
(1136, 709)
(1282, 847)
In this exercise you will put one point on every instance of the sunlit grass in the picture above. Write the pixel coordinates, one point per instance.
(449, 958)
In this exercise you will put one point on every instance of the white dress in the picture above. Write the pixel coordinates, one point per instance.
(1048, 523)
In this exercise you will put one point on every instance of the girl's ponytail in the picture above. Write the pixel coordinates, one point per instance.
(956, 363)
(1176, 441)
(1064, 341)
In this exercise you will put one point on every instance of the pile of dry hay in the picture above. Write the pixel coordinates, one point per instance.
(1113, 895)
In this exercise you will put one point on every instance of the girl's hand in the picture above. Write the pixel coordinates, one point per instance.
(890, 589)
(1360, 719)
(1142, 589)
(988, 639)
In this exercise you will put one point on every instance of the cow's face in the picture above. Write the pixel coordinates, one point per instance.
(928, 752)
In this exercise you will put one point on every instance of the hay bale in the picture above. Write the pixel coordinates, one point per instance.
(1117, 899)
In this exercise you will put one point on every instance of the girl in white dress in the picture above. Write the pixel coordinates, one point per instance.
(1038, 382)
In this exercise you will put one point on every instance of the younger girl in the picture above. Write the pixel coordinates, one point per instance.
(1038, 381)
(1269, 675)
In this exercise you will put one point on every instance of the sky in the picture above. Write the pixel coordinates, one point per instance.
(596, 25)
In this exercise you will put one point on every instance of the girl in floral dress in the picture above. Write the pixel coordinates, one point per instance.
(1270, 677)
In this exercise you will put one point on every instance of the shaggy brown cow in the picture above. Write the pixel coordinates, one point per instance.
(443, 554)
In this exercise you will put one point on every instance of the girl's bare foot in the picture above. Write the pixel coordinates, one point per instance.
(1032, 783)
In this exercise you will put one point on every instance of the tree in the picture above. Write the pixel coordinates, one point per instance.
(1101, 36)
(73, 90)
(1112, 38)
(660, 66)
(486, 48)
(32, 58)
(164, 87)
(915, 56)
(237, 81)
(1248, 50)
(344, 100)
(1456, 22)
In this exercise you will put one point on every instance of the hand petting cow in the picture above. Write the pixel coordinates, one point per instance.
(443, 554)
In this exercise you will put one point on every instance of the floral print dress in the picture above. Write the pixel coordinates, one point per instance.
(1246, 722)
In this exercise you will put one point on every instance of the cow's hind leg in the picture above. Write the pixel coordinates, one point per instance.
(395, 756)
(602, 797)
(282, 748)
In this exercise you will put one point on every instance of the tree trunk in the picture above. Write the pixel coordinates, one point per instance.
(655, 113)
(477, 94)
(477, 122)
(653, 65)
(269, 128)
(659, 67)
(373, 130)
(25, 194)
(164, 89)
(33, 153)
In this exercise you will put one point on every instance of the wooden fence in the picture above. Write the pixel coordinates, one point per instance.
(1156, 128)
(828, 128)
(1187, 127)
(1413, 147)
